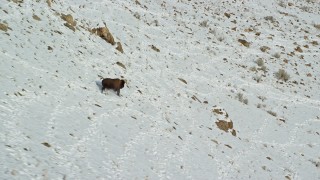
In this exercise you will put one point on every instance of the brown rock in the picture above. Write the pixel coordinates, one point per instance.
(227, 15)
(105, 34)
(224, 125)
(264, 48)
(3, 27)
(49, 2)
(70, 26)
(119, 47)
(298, 49)
(69, 19)
(182, 80)
(233, 132)
(244, 42)
(35, 17)
(155, 48)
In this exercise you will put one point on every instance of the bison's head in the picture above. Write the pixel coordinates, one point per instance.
(122, 84)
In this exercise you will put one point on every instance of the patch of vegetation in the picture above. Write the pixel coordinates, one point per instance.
(263, 68)
(241, 98)
(260, 62)
(282, 75)
(276, 55)
(257, 78)
(261, 106)
(204, 23)
(137, 15)
(262, 98)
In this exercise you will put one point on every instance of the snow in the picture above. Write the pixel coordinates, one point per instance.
(56, 123)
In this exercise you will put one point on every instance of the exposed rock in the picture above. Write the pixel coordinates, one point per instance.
(69, 19)
(46, 144)
(224, 125)
(70, 26)
(119, 47)
(233, 132)
(17, 1)
(4, 27)
(182, 80)
(104, 33)
(155, 48)
(223, 122)
(244, 42)
(264, 48)
(35, 17)
(49, 2)
(121, 65)
(298, 49)
(227, 15)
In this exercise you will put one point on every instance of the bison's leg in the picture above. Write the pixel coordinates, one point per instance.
(118, 92)
(102, 89)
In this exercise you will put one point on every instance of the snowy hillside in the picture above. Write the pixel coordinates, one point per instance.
(215, 89)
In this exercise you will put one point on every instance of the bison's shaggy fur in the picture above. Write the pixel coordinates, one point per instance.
(115, 84)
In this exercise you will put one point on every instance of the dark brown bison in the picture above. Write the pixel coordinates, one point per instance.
(115, 84)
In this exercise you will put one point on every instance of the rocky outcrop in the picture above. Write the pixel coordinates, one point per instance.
(223, 122)
(119, 47)
(104, 33)
(70, 22)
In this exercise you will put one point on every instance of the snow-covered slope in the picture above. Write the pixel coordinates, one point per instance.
(203, 98)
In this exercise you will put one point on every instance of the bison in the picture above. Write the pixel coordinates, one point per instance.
(115, 84)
